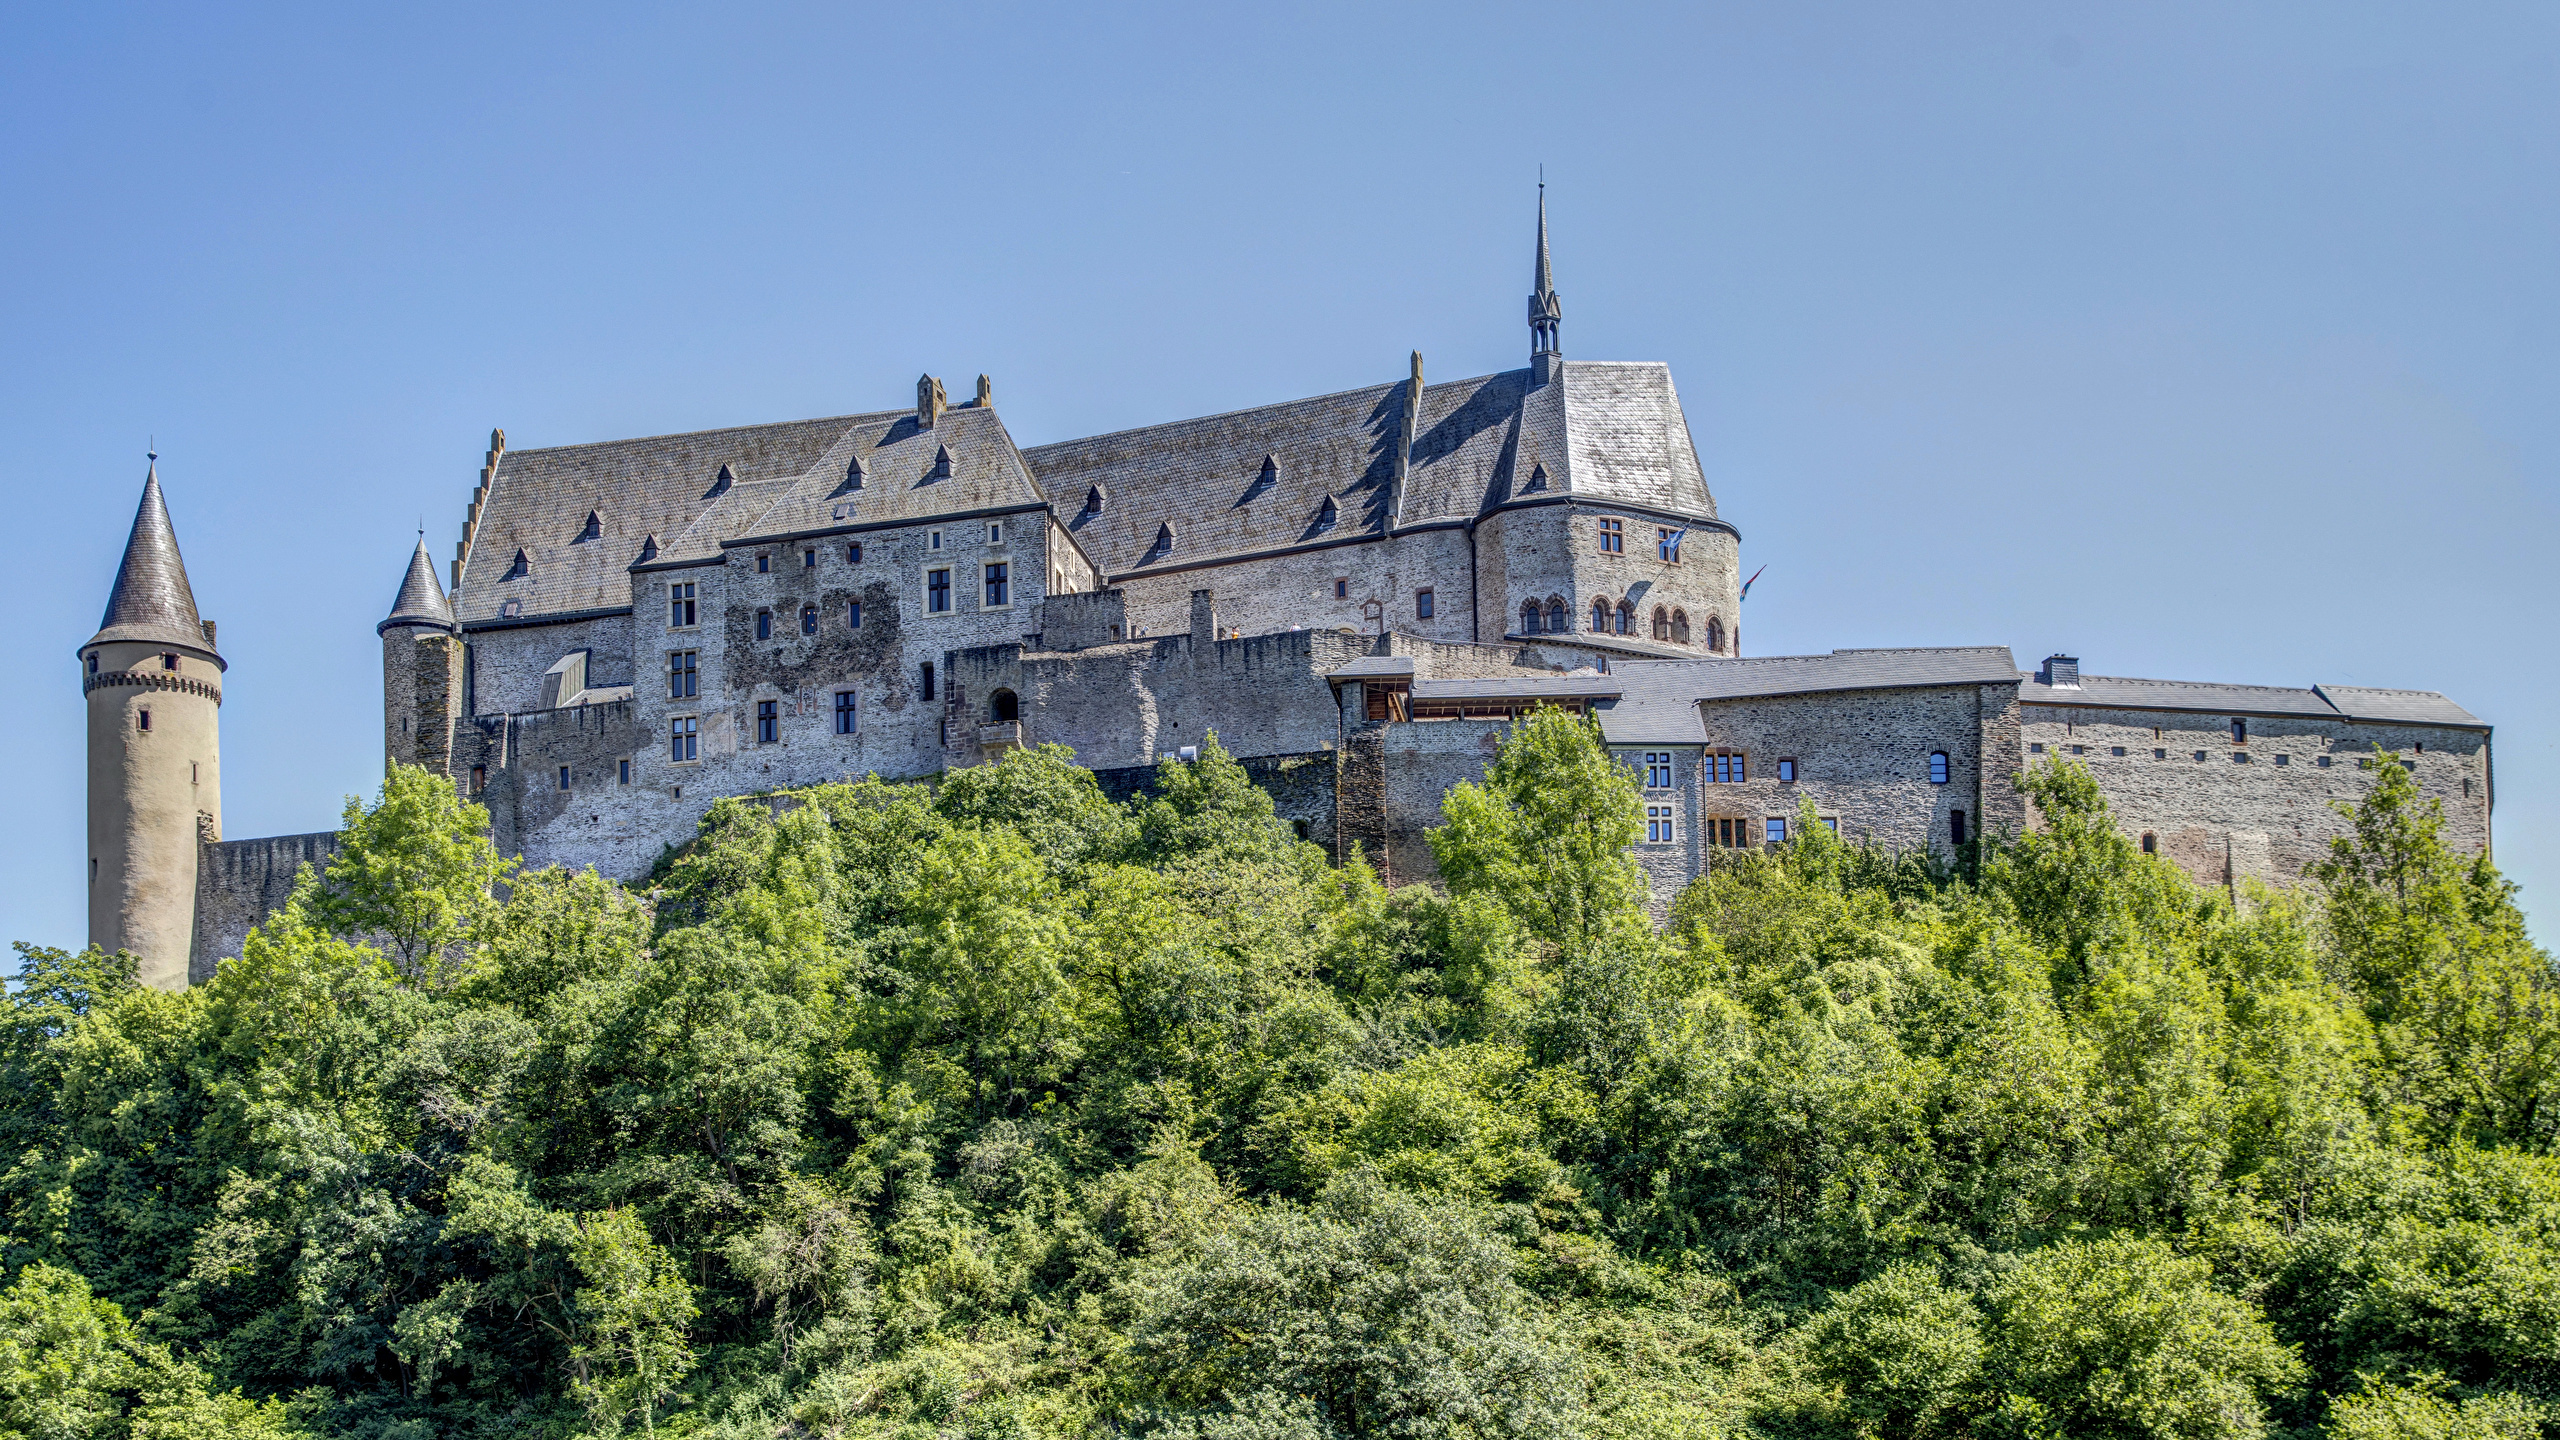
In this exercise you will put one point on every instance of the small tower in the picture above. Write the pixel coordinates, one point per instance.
(1546, 312)
(154, 687)
(421, 671)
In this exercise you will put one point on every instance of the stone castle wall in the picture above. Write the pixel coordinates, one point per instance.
(241, 882)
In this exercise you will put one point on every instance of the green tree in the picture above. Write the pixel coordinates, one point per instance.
(1547, 834)
(632, 1308)
(417, 870)
(72, 1368)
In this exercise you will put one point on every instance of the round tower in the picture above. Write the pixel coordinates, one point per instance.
(154, 687)
(421, 670)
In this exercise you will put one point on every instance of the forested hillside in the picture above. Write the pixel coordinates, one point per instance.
(997, 1109)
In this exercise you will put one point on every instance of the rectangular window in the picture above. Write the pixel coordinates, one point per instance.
(808, 559)
(2239, 757)
(2239, 732)
(1657, 770)
(1421, 604)
(1613, 537)
(844, 712)
(1341, 587)
(933, 540)
(2199, 757)
(995, 532)
(680, 606)
(2159, 754)
(768, 721)
(2119, 752)
(853, 615)
(1955, 826)
(2079, 749)
(999, 587)
(564, 777)
(1775, 828)
(1787, 771)
(764, 624)
(937, 592)
(2324, 762)
(146, 719)
(680, 674)
(1666, 544)
(1725, 768)
(853, 553)
(1831, 823)
(479, 778)
(2035, 747)
(764, 564)
(2284, 759)
(680, 738)
(928, 679)
(169, 662)
(1657, 824)
(625, 774)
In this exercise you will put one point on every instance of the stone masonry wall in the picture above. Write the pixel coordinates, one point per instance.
(507, 664)
(2226, 818)
(1861, 756)
(239, 883)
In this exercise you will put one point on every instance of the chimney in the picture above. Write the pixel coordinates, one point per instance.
(2062, 672)
(930, 401)
(208, 634)
(1204, 616)
(986, 392)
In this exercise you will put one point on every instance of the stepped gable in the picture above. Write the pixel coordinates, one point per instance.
(656, 485)
(1605, 432)
(899, 479)
(151, 601)
(421, 600)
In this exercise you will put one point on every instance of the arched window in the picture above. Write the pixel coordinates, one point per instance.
(1715, 635)
(1661, 623)
(1600, 616)
(1679, 627)
(1626, 618)
(1556, 614)
(808, 619)
(1529, 618)
(1005, 706)
(1937, 767)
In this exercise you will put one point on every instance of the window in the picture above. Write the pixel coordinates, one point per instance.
(1725, 768)
(1725, 834)
(680, 738)
(1613, 537)
(625, 773)
(1528, 618)
(2239, 757)
(844, 712)
(1775, 828)
(764, 624)
(2199, 757)
(2284, 759)
(1666, 544)
(853, 614)
(1626, 618)
(1831, 823)
(680, 606)
(768, 721)
(93, 662)
(2150, 843)
(169, 661)
(1341, 587)
(808, 619)
(1004, 707)
(2159, 754)
(1657, 770)
(999, 589)
(680, 674)
(933, 540)
(1555, 617)
(2324, 762)
(510, 609)
(1679, 627)
(1657, 824)
(2118, 752)
(1600, 617)
(808, 559)
(995, 532)
(853, 553)
(1955, 827)
(564, 777)
(2079, 749)
(1661, 623)
(937, 592)
(146, 719)
(479, 778)
(1421, 604)
(2239, 732)
(764, 564)
(1937, 767)
(2035, 747)
(928, 679)
(1787, 771)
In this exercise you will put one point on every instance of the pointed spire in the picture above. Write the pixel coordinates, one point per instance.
(421, 599)
(1546, 311)
(151, 601)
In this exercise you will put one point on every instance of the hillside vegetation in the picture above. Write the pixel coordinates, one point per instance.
(997, 1109)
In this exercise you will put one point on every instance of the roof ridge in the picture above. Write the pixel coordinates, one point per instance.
(1277, 405)
(857, 418)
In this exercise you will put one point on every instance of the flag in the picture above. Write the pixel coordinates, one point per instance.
(1746, 585)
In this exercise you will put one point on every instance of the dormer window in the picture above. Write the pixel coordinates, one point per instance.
(941, 462)
(1093, 500)
(1327, 514)
(592, 530)
(510, 609)
(853, 474)
(522, 567)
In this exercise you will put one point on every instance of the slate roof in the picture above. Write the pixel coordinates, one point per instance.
(1660, 706)
(1533, 687)
(1602, 432)
(151, 601)
(2321, 702)
(421, 600)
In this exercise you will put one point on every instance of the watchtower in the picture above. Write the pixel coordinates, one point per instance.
(154, 687)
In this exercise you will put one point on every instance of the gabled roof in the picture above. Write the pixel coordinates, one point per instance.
(421, 600)
(151, 601)
(1662, 697)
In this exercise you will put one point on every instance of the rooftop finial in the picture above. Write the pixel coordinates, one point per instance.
(1546, 312)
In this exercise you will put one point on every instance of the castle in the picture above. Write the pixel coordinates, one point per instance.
(1357, 593)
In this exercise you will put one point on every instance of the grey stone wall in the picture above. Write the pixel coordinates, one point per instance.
(1861, 756)
(2227, 818)
(1273, 593)
(239, 883)
(507, 664)
(1094, 617)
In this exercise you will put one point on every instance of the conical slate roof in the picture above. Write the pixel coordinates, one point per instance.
(152, 602)
(421, 599)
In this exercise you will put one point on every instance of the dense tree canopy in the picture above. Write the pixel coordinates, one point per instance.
(994, 1108)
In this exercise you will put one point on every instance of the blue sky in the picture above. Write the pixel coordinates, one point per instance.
(2202, 341)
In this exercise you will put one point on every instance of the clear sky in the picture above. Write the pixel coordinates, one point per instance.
(2203, 341)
